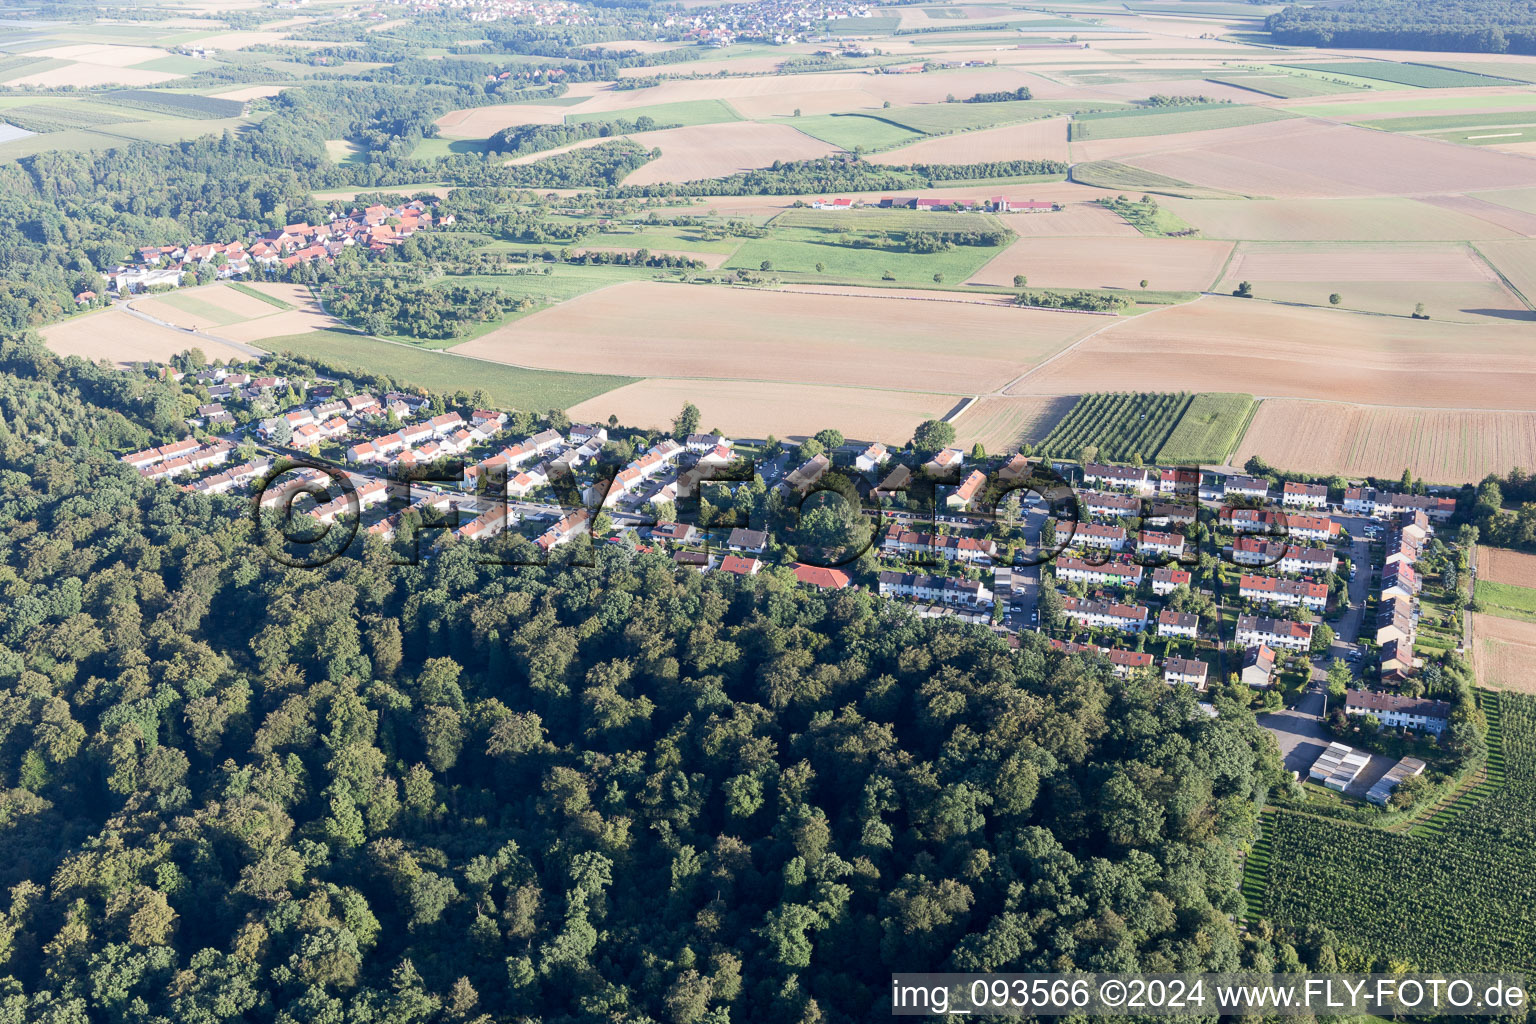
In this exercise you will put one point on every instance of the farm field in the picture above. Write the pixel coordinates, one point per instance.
(799, 250)
(1418, 75)
(854, 131)
(1168, 121)
(1031, 140)
(837, 340)
(1208, 430)
(1003, 424)
(1506, 565)
(1120, 426)
(1386, 219)
(1073, 219)
(123, 339)
(1171, 264)
(211, 305)
(1439, 445)
(1506, 600)
(509, 386)
(1504, 652)
(711, 151)
(1516, 260)
(757, 409)
(1228, 344)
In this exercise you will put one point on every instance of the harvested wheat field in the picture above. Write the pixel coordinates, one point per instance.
(981, 298)
(1518, 221)
(240, 40)
(85, 75)
(1312, 158)
(1072, 219)
(754, 409)
(1517, 262)
(483, 122)
(1445, 446)
(648, 329)
(1504, 652)
(1452, 281)
(1032, 140)
(123, 338)
(1219, 343)
(1002, 424)
(1166, 264)
(103, 54)
(717, 150)
(1326, 220)
(252, 92)
(210, 306)
(1505, 565)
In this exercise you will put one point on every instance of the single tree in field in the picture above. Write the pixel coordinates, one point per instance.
(766, 266)
(821, 268)
(1019, 280)
(1419, 313)
(1143, 284)
(1244, 290)
(938, 278)
(1335, 299)
(687, 421)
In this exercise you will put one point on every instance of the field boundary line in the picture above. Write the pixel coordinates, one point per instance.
(1253, 411)
(1500, 275)
(1003, 392)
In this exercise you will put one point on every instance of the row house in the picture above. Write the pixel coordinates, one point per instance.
(935, 589)
(1180, 624)
(1400, 580)
(1318, 528)
(1130, 478)
(1178, 481)
(1254, 520)
(1166, 579)
(150, 456)
(528, 481)
(1396, 660)
(368, 492)
(1016, 468)
(1075, 570)
(1299, 495)
(1246, 487)
(221, 483)
(1399, 712)
(491, 421)
(1186, 672)
(486, 525)
(1122, 663)
(291, 485)
(1093, 614)
(956, 549)
(513, 456)
(1285, 593)
(566, 530)
(1172, 513)
(1106, 503)
(1257, 630)
(1394, 620)
(1090, 535)
(1168, 545)
(705, 442)
(1259, 551)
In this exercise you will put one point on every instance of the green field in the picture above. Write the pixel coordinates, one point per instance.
(888, 220)
(864, 132)
(686, 113)
(206, 312)
(1118, 426)
(510, 387)
(1209, 429)
(1415, 107)
(271, 300)
(566, 282)
(1507, 600)
(1284, 86)
(798, 250)
(1448, 122)
(1422, 76)
(942, 118)
(1131, 124)
(1520, 71)
(1488, 136)
(431, 149)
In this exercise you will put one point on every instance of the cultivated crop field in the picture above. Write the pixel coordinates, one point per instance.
(1032, 140)
(1002, 424)
(758, 409)
(854, 131)
(745, 334)
(1116, 426)
(1171, 264)
(1386, 219)
(712, 151)
(1419, 75)
(1208, 430)
(1506, 601)
(1161, 121)
(1516, 260)
(1440, 445)
(123, 339)
(1228, 344)
(204, 308)
(1505, 565)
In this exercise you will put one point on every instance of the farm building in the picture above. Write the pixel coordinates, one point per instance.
(1338, 766)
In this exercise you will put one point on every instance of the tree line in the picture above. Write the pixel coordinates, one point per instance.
(1472, 26)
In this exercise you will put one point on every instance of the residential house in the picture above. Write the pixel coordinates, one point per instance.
(1257, 630)
(871, 458)
(753, 542)
(675, 533)
(1180, 624)
(945, 461)
(1166, 579)
(741, 565)
(1090, 535)
(1299, 495)
(818, 576)
(1285, 593)
(1178, 481)
(1246, 487)
(1258, 667)
(1130, 478)
(968, 492)
(964, 549)
(935, 589)
(1121, 663)
(1399, 712)
(1167, 545)
(1094, 614)
(804, 478)
(1109, 503)
(1186, 671)
(1075, 570)
(565, 530)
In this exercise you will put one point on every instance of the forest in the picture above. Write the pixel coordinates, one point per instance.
(234, 790)
(1474, 26)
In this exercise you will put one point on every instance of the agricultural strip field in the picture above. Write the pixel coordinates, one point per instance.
(508, 386)
(757, 409)
(1220, 343)
(1457, 898)
(1208, 430)
(1117, 426)
(940, 118)
(1383, 219)
(1310, 158)
(1132, 124)
(1504, 651)
(1172, 264)
(1516, 260)
(714, 151)
(865, 132)
(898, 344)
(1506, 565)
(1420, 76)
(1447, 122)
(1506, 601)
(1285, 87)
(799, 250)
(216, 304)
(1032, 140)
(1440, 445)
(1003, 424)
(1451, 280)
(686, 114)
(123, 339)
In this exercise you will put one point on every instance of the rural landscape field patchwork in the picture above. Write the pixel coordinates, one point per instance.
(964, 486)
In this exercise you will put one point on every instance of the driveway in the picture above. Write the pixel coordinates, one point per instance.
(1299, 731)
